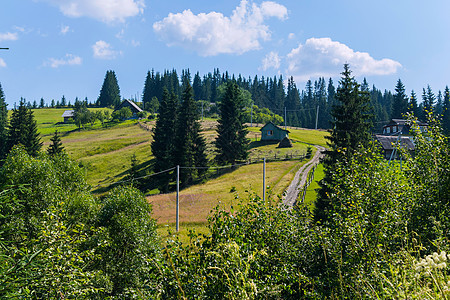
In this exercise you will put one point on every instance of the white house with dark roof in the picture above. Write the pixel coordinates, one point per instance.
(401, 126)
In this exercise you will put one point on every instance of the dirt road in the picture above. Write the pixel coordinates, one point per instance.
(300, 178)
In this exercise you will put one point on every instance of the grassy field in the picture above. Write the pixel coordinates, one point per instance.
(105, 152)
(49, 120)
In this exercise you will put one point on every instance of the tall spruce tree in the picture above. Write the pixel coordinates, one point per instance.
(428, 99)
(163, 145)
(110, 92)
(3, 125)
(23, 130)
(400, 101)
(350, 129)
(148, 92)
(446, 112)
(56, 146)
(190, 146)
(413, 107)
(231, 142)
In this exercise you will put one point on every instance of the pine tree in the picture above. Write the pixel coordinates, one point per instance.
(351, 129)
(148, 92)
(231, 142)
(163, 144)
(23, 130)
(190, 146)
(413, 107)
(110, 92)
(446, 112)
(438, 108)
(428, 99)
(56, 146)
(63, 101)
(3, 125)
(400, 101)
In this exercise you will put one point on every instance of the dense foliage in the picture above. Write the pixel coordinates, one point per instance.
(60, 242)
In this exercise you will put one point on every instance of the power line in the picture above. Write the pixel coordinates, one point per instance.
(150, 175)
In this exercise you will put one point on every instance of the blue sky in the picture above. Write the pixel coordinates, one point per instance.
(65, 47)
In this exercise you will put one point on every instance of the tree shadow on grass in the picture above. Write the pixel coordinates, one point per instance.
(256, 144)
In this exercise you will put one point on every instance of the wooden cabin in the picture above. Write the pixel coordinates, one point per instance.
(131, 105)
(67, 115)
(271, 132)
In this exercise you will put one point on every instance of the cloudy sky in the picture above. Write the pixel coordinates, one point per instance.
(65, 47)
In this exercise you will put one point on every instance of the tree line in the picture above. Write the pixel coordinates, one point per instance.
(300, 107)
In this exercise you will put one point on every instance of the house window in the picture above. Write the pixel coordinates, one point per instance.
(388, 129)
(269, 132)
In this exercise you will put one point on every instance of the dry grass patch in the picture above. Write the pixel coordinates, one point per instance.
(196, 202)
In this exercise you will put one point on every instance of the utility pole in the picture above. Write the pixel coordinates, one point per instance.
(264, 180)
(317, 115)
(285, 118)
(178, 199)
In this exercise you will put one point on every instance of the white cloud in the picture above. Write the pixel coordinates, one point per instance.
(104, 10)
(212, 33)
(2, 63)
(8, 36)
(18, 28)
(135, 43)
(324, 57)
(103, 50)
(271, 60)
(68, 60)
(64, 29)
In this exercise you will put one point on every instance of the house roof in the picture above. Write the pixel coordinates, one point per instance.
(389, 142)
(68, 114)
(403, 122)
(131, 103)
(279, 128)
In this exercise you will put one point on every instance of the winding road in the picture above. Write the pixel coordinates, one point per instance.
(300, 178)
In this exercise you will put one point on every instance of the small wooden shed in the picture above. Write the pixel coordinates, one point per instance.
(271, 132)
(67, 115)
